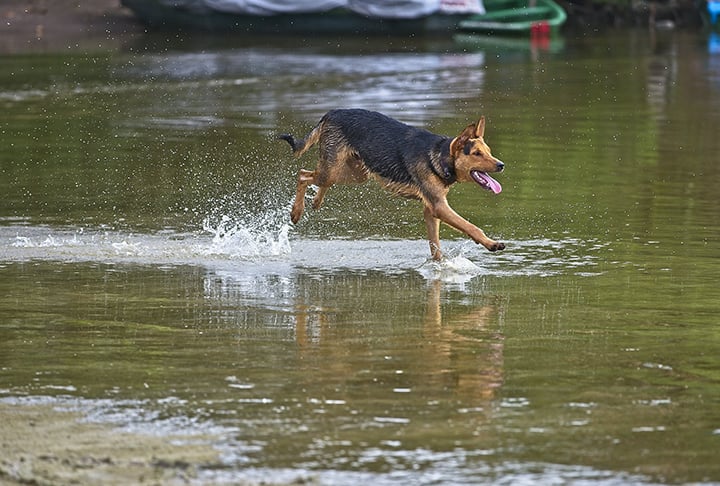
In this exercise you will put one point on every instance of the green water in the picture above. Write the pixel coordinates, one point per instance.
(148, 270)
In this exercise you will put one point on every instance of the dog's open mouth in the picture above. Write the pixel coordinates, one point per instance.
(485, 181)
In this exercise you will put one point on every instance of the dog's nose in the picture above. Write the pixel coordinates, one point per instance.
(499, 166)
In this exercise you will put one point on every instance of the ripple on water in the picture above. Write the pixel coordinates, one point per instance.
(266, 244)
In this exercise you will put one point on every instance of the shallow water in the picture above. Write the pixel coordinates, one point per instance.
(150, 279)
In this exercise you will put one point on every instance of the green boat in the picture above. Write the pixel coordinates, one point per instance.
(516, 17)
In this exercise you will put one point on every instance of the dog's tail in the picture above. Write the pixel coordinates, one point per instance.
(299, 147)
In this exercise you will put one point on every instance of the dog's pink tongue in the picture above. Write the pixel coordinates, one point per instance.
(486, 182)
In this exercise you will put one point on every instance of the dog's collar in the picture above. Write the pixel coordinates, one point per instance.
(448, 173)
(446, 169)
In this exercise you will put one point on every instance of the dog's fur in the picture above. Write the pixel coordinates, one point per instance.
(356, 144)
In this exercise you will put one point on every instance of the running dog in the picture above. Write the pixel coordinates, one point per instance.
(357, 144)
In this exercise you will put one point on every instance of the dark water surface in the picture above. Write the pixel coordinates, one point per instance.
(150, 278)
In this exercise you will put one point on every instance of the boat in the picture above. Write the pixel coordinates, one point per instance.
(516, 17)
(304, 17)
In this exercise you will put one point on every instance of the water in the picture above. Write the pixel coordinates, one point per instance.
(150, 280)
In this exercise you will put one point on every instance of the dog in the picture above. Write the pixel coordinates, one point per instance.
(357, 144)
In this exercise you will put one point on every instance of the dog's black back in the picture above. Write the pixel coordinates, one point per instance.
(387, 147)
(356, 144)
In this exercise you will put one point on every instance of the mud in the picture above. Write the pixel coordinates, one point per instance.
(44, 446)
(55, 25)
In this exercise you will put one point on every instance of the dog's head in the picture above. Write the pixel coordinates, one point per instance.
(473, 159)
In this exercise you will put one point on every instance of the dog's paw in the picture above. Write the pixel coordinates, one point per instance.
(496, 246)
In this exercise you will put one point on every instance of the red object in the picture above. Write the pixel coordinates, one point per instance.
(540, 35)
(540, 29)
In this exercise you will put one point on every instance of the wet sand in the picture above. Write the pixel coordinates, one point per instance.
(45, 446)
(55, 25)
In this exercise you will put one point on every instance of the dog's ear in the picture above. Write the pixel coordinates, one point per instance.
(458, 143)
(480, 128)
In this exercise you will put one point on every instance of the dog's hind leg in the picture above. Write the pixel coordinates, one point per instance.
(305, 178)
(319, 196)
(433, 232)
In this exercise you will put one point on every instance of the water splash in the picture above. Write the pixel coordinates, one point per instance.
(50, 241)
(452, 269)
(265, 243)
(258, 238)
(456, 266)
(262, 236)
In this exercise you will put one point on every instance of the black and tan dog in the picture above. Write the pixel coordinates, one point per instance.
(356, 144)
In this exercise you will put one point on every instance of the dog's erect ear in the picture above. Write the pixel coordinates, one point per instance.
(458, 143)
(480, 128)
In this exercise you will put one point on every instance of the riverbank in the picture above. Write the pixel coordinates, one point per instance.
(42, 25)
(43, 445)
(618, 13)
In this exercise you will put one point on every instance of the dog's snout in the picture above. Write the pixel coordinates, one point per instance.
(499, 166)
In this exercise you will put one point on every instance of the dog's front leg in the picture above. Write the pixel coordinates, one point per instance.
(446, 214)
(305, 177)
(433, 232)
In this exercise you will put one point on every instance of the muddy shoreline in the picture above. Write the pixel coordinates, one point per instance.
(640, 13)
(43, 445)
(55, 25)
